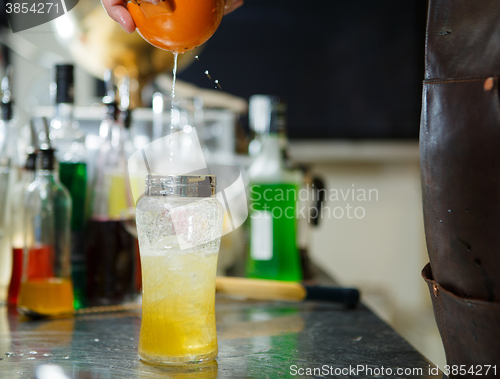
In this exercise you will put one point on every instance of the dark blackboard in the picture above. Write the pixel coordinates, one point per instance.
(347, 68)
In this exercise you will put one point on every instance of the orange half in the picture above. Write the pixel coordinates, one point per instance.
(177, 25)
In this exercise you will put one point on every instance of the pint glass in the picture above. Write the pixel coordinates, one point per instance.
(179, 225)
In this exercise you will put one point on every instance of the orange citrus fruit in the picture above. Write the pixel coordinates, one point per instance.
(177, 25)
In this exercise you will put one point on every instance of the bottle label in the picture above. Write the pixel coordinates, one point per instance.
(261, 236)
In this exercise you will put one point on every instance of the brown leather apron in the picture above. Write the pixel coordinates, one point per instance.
(460, 164)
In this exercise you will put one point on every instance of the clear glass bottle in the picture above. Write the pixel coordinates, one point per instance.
(111, 249)
(46, 285)
(179, 224)
(259, 117)
(9, 173)
(69, 142)
(17, 232)
(274, 190)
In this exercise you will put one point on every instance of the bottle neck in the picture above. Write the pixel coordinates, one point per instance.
(8, 139)
(6, 111)
(273, 145)
(28, 176)
(48, 175)
(65, 135)
(64, 118)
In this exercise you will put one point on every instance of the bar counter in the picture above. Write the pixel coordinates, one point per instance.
(257, 339)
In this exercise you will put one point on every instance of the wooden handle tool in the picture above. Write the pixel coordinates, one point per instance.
(262, 289)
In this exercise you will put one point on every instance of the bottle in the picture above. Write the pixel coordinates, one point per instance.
(111, 248)
(9, 172)
(259, 117)
(69, 142)
(46, 285)
(17, 233)
(274, 186)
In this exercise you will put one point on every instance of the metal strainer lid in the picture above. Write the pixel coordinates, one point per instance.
(180, 185)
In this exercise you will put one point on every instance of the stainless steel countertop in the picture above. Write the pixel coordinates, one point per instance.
(256, 340)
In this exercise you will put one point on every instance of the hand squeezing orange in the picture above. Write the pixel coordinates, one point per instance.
(177, 25)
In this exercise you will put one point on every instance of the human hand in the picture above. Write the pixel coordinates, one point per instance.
(117, 10)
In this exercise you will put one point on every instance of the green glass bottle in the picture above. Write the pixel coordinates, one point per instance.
(273, 252)
(70, 144)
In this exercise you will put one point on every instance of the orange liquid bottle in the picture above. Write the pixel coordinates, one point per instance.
(46, 286)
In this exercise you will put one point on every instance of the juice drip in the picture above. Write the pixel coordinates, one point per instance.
(174, 78)
(49, 296)
(173, 108)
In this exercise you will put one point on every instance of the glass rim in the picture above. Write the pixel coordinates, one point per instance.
(180, 185)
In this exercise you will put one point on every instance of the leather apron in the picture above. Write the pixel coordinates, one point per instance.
(460, 165)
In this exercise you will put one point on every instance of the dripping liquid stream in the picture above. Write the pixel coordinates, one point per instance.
(173, 109)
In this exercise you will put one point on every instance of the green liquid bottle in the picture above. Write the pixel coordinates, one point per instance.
(70, 144)
(73, 175)
(274, 188)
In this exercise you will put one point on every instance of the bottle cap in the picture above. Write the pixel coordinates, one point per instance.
(30, 162)
(46, 160)
(7, 113)
(278, 118)
(127, 118)
(65, 83)
(267, 114)
(112, 110)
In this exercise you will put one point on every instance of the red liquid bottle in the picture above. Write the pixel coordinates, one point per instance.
(17, 227)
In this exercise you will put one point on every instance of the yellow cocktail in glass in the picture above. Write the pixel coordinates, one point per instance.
(178, 317)
(179, 225)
